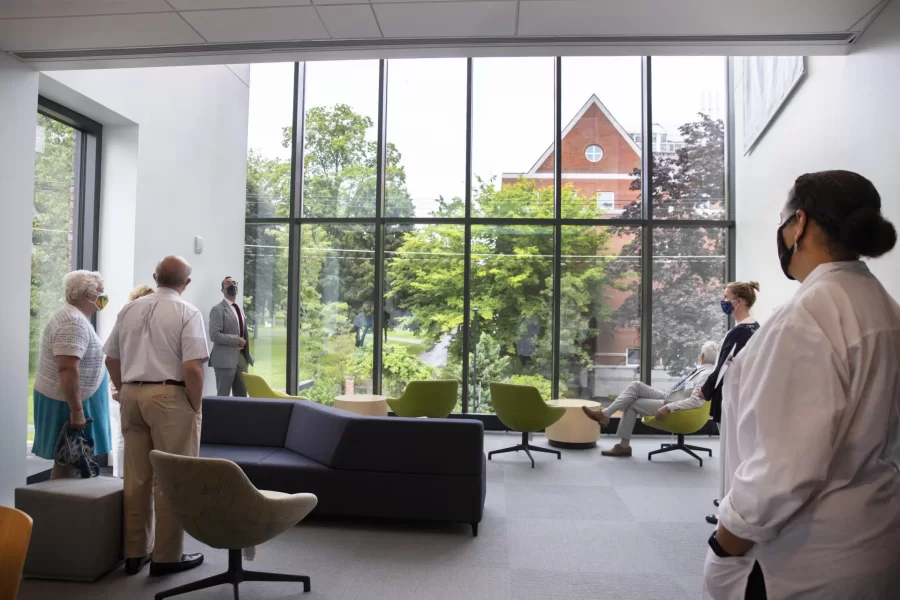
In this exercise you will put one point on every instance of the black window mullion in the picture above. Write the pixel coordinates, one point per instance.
(90, 200)
(557, 228)
(381, 166)
(730, 182)
(292, 356)
(647, 228)
(467, 247)
(78, 177)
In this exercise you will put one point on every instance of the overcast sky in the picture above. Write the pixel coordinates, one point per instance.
(513, 107)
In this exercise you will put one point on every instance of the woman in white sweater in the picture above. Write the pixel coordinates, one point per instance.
(71, 386)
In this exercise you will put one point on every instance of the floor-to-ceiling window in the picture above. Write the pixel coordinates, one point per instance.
(557, 222)
(64, 225)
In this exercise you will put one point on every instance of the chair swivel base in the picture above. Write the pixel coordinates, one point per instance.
(680, 445)
(235, 575)
(526, 447)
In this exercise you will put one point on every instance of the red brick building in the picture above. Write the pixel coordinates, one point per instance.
(599, 160)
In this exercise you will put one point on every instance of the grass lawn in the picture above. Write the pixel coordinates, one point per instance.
(270, 349)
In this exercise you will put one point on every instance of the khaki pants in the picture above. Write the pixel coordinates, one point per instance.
(154, 417)
(637, 399)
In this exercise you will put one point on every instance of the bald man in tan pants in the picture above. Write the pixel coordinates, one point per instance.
(155, 356)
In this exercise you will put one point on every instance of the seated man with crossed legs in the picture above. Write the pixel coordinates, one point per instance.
(641, 399)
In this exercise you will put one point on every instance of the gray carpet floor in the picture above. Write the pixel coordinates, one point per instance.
(584, 527)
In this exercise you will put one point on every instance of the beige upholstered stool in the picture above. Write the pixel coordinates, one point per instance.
(77, 531)
(574, 430)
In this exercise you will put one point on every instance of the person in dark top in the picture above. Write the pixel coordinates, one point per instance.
(739, 298)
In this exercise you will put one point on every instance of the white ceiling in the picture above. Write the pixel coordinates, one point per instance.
(55, 28)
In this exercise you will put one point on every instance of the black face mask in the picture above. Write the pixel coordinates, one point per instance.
(231, 290)
(785, 254)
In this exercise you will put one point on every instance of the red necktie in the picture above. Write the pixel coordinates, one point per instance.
(240, 320)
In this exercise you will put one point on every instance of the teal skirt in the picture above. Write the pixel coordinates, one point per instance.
(50, 415)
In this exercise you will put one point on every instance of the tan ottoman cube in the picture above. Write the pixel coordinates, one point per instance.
(77, 531)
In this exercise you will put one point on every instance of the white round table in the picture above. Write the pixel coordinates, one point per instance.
(575, 430)
(372, 405)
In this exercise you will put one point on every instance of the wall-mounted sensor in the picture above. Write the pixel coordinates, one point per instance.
(198, 245)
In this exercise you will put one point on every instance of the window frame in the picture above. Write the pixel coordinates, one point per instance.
(89, 155)
(645, 225)
(87, 176)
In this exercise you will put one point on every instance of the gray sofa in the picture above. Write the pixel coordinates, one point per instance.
(358, 466)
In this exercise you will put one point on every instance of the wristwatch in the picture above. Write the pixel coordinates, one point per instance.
(717, 548)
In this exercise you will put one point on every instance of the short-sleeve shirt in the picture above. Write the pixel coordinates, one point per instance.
(154, 336)
(69, 333)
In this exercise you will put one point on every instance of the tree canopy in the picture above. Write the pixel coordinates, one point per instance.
(512, 266)
(688, 263)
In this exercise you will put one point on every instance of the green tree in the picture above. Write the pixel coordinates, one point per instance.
(52, 224)
(512, 281)
(265, 246)
(686, 291)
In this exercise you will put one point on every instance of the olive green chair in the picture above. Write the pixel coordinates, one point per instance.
(521, 408)
(257, 387)
(682, 422)
(433, 399)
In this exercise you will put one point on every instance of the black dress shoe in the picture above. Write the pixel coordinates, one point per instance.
(187, 562)
(711, 519)
(716, 503)
(133, 566)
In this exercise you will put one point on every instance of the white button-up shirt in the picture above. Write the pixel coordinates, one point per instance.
(240, 316)
(811, 444)
(154, 335)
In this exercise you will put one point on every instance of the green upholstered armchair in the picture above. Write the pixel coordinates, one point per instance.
(257, 387)
(521, 408)
(681, 422)
(433, 399)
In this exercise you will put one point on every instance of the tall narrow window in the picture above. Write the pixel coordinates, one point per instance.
(66, 212)
(269, 162)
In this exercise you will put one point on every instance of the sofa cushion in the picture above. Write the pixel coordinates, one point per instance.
(288, 459)
(316, 431)
(242, 455)
(245, 421)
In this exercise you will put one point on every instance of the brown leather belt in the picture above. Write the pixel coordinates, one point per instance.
(166, 382)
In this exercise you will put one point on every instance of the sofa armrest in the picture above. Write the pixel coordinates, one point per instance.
(245, 421)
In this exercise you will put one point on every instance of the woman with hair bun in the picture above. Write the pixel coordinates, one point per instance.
(811, 415)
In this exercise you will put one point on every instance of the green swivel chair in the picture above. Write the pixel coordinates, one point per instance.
(257, 387)
(433, 399)
(521, 408)
(682, 422)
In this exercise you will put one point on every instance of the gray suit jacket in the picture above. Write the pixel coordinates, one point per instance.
(687, 397)
(224, 333)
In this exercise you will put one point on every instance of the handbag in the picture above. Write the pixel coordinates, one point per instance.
(74, 449)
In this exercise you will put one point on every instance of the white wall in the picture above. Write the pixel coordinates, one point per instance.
(179, 172)
(844, 115)
(18, 123)
(118, 202)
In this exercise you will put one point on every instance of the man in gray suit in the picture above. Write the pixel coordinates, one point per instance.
(640, 399)
(230, 356)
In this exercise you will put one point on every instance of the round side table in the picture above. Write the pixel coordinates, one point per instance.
(363, 404)
(574, 431)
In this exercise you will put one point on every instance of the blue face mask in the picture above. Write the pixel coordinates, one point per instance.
(727, 307)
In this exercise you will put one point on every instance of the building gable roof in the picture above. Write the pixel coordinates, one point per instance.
(592, 101)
